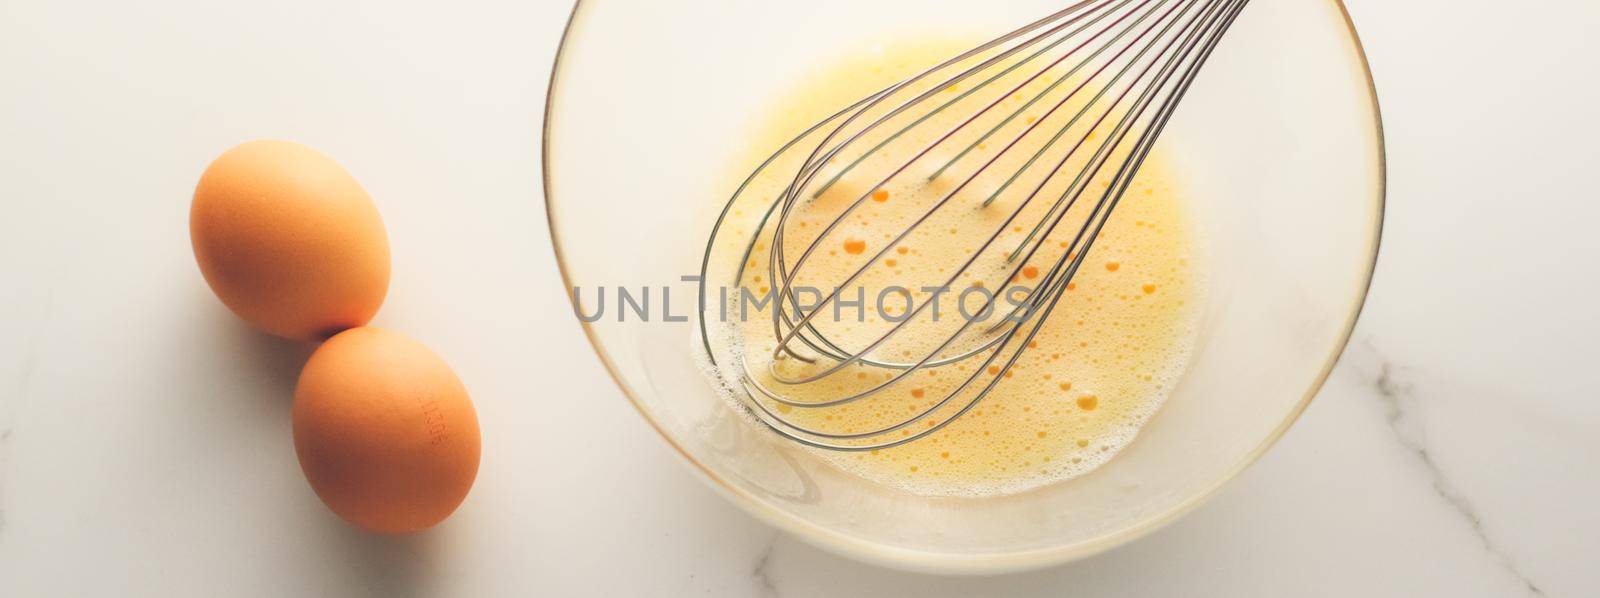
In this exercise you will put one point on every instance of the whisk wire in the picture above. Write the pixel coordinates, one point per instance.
(788, 274)
(1124, 34)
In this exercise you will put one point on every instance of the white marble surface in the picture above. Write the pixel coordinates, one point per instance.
(144, 436)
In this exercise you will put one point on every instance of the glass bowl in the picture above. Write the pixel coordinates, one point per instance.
(1281, 151)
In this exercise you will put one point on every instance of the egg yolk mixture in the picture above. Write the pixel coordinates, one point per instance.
(1096, 370)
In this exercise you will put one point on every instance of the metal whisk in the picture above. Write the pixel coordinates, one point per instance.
(1005, 138)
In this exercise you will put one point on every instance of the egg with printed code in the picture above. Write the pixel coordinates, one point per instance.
(384, 430)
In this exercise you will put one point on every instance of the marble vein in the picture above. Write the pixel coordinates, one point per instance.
(761, 571)
(1399, 397)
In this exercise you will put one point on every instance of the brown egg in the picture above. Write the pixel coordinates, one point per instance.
(289, 241)
(384, 431)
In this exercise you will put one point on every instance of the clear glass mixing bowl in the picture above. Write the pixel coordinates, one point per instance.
(1280, 147)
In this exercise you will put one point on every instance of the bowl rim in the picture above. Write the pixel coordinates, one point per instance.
(958, 563)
